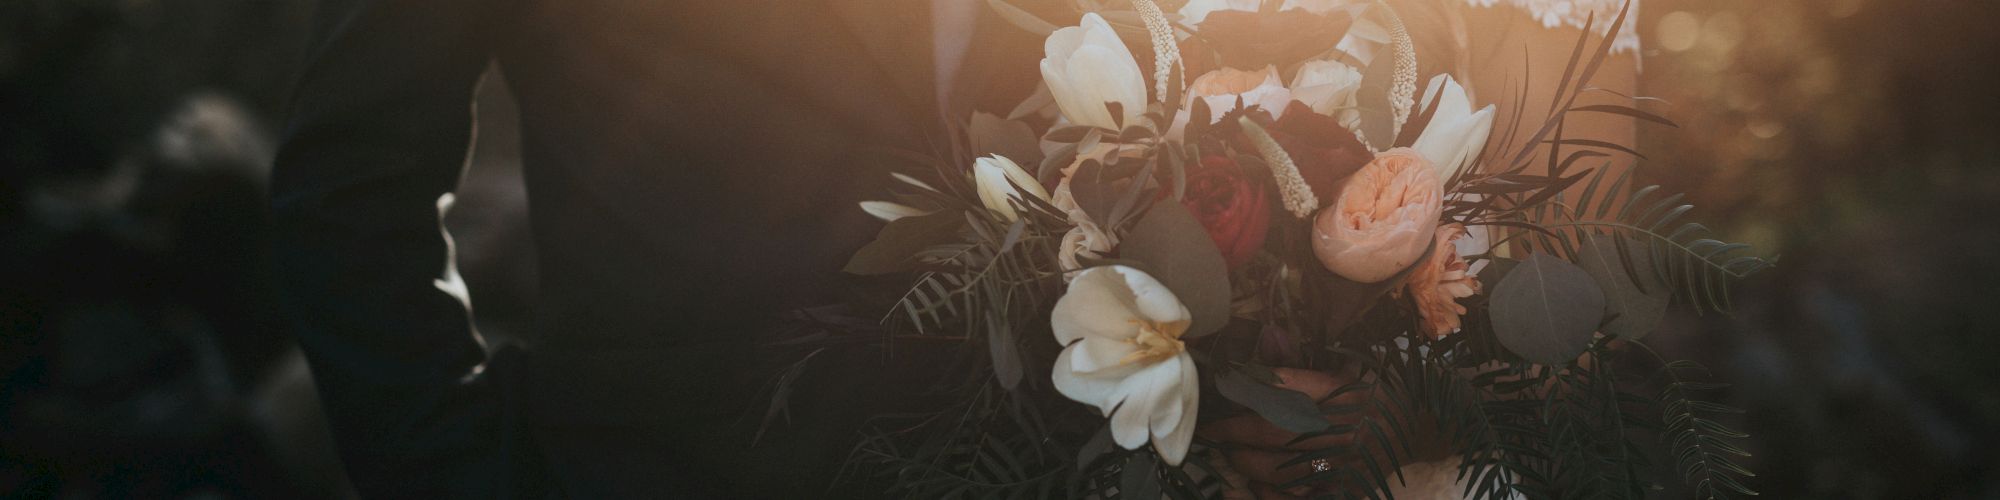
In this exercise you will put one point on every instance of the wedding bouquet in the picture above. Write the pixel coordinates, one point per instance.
(1197, 199)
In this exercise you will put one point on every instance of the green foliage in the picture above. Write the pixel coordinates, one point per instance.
(1702, 447)
(1682, 256)
(1547, 310)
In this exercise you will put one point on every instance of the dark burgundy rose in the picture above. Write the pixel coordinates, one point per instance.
(1252, 40)
(1325, 152)
(1233, 205)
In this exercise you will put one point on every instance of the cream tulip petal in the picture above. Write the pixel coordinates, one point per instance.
(1094, 390)
(1103, 74)
(1066, 40)
(1098, 304)
(1142, 393)
(1095, 354)
(991, 181)
(1168, 413)
(890, 211)
(1021, 177)
(1098, 32)
(1475, 140)
(1455, 104)
(1152, 299)
(1450, 146)
(1066, 97)
(1173, 444)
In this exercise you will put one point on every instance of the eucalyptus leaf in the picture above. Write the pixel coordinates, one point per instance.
(993, 135)
(1004, 349)
(1546, 310)
(1635, 308)
(1378, 116)
(1290, 410)
(1095, 191)
(1176, 250)
(894, 249)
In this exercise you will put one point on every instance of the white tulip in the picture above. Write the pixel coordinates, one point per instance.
(991, 175)
(1455, 132)
(1086, 66)
(890, 211)
(1123, 354)
(1330, 88)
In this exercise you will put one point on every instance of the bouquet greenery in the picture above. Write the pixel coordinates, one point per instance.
(1130, 256)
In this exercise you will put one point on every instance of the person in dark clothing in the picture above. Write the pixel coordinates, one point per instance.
(692, 170)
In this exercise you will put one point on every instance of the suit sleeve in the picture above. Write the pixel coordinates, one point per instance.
(379, 128)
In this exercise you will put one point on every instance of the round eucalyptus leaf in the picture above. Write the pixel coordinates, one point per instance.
(1546, 310)
(1176, 249)
(1635, 307)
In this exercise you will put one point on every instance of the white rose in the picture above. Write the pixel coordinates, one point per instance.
(1123, 354)
(1455, 132)
(991, 175)
(1086, 66)
(1330, 87)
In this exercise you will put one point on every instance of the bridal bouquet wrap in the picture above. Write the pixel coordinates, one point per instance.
(1199, 196)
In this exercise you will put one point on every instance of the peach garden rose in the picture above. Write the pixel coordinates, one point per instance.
(1383, 220)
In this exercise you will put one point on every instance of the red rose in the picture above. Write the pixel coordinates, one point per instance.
(1233, 205)
(1325, 152)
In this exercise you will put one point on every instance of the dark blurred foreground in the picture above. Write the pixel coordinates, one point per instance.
(141, 356)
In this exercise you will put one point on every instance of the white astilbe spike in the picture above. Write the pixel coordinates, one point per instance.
(1299, 198)
(1166, 52)
(1403, 90)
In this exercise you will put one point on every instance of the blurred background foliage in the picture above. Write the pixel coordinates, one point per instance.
(140, 357)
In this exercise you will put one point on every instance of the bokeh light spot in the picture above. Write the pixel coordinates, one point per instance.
(1679, 31)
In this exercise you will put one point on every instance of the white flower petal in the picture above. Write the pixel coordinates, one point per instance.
(1455, 132)
(1098, 304)
(1086, 66)
(912, 181)
(890, 211)
(1095, 390)
(1173, 444)
(1021, 177)
(1143, 392)
(1103, 75)
(1095, 354)
(1153, 300)
(1066, 40)
(1328, 87)
(994, 190)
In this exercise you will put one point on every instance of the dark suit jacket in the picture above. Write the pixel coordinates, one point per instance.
(692, 171)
